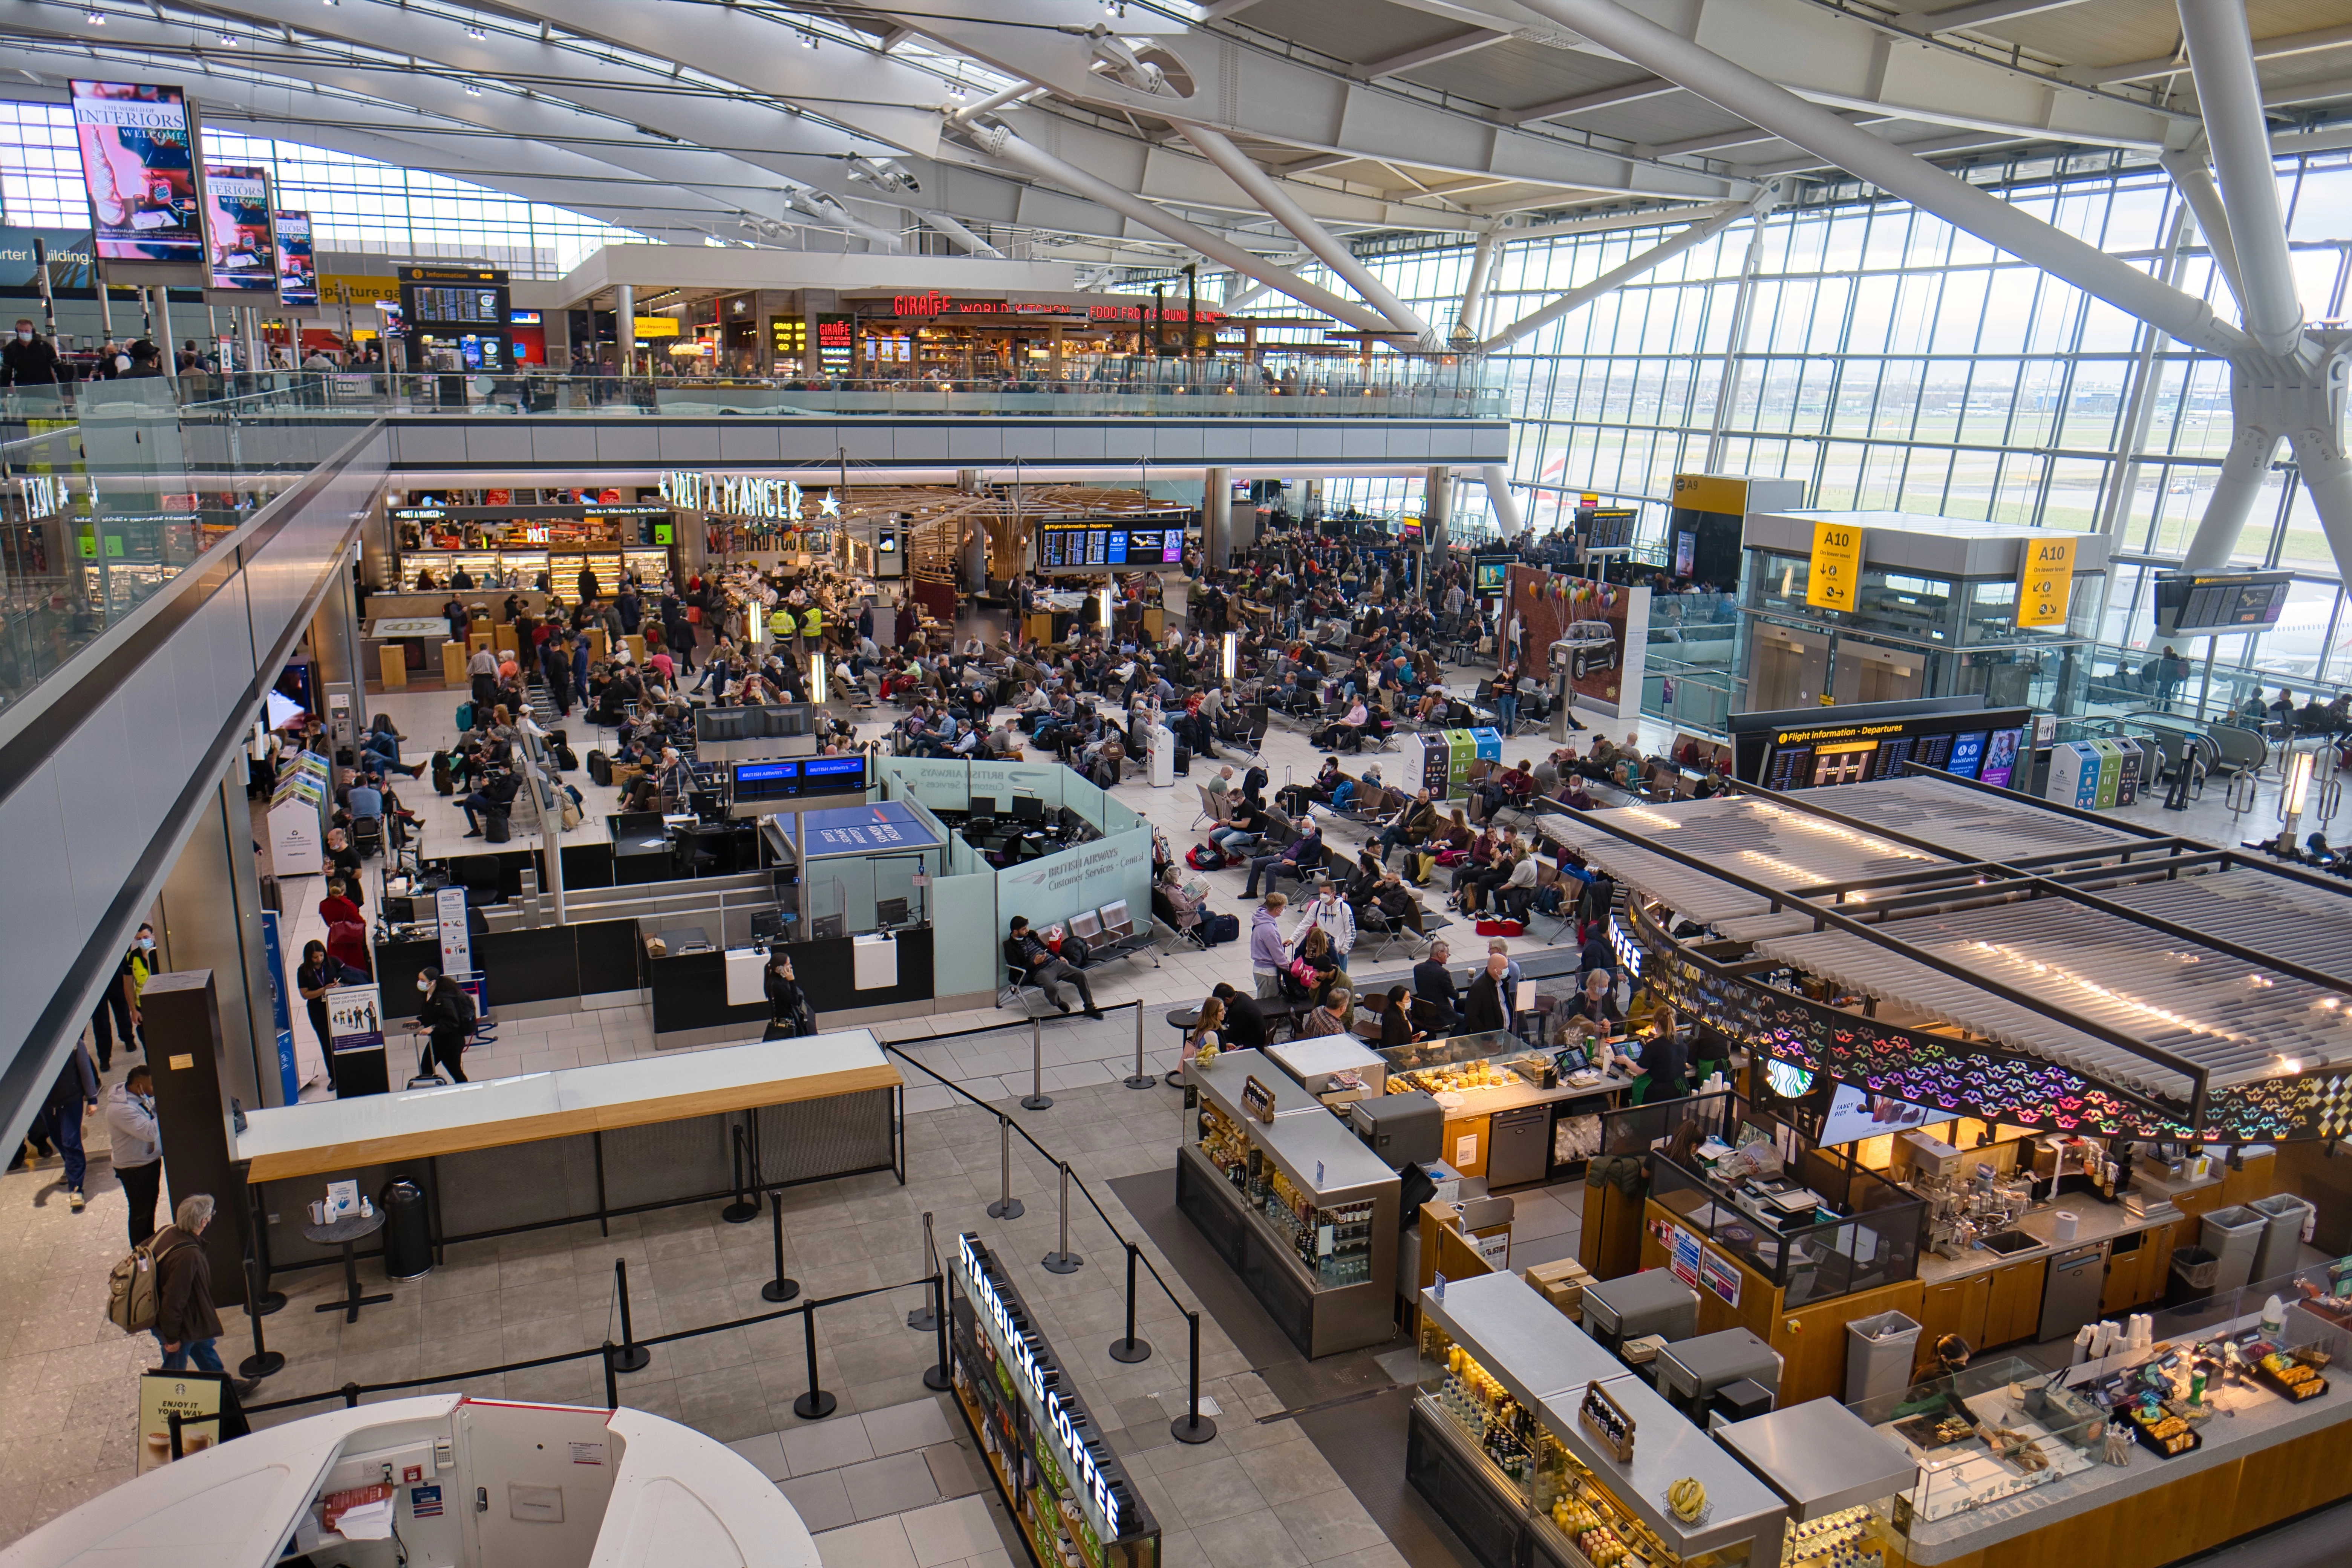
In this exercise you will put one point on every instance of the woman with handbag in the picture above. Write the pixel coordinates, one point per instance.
(789, 1013)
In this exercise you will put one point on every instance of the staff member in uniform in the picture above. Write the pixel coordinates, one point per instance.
(318, 974)
(788, 1005)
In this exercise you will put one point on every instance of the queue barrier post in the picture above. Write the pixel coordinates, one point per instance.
(925, 1318)
(780, 1288)
(1006, 1205)
(1142, 1076)
(1192, 1426)
(612, 1378)
(263, 1360)
(1062, 1260)
(632, 1356)
(746, 1205)
(350, 1392)
(171, 1419)
(817, 1404)
(936, 1377)
(1130, 1350)
(1036, 1098)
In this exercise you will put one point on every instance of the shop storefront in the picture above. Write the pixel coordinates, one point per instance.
(477, 541)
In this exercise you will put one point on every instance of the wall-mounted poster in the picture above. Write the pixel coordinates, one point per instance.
(137, 169)
(1598, 632)
(240, 252)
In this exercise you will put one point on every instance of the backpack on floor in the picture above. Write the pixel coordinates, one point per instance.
(1205, 858)
(444, 781)
(1500, 928)
(496, 827)
(1217, 930)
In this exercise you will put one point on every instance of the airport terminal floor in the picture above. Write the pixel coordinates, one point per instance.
(1310, 1460)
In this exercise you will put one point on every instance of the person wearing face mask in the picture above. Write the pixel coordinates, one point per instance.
(138, 1147)
(448, 1012)
(29, 360)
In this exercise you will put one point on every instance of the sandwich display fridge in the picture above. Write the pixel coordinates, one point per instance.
(1299, 1209)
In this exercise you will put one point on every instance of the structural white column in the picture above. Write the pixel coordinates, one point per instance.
(1284, 209)
(163, 298)
(2195, 182)
(1437, 505)
(1498, 496)
(625, 324)
(1000, 142)
(1824, 134)
(1216, 519)
(1622, 273)
(2139, 407)
(959, 233)
(1234, 300)
(1473, 292)
(2230, 97)
(2232, 500)
(1735, 345)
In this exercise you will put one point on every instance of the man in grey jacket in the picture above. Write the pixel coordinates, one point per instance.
(138, 1147)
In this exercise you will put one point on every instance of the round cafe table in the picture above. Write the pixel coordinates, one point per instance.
(1184, 1020)
(345, 1232)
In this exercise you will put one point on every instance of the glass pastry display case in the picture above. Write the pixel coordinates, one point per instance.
(1839, 1477)
(1986, 1433)
(1539, 1449)
(1297, 1207)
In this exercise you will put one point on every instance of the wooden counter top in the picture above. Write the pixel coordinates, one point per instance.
(328, 1136)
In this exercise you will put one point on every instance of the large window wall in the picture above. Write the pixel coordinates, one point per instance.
(355, 204)
(1889, 361)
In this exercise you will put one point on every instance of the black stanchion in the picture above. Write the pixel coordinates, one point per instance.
(817, 1404)
(1036, 1098)
(263, 1360)
(632, 1356)
(1006, 1205)
(1192, 1426)
(612, 1378)
(1062, 1260)
(924, 1318)
(172, 1418)
(350, 1392)
(780, 1288)
(256, 1222)
(1130, 1350)
(936, 1376)
(1142, 1076)
(744, 1208)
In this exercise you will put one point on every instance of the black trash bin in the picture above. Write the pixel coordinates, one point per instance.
(407, 1232)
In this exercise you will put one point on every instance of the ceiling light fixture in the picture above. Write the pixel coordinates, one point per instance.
(473, 91)
(808, 39)
(474, 31)
(96, 18)
(227, 41)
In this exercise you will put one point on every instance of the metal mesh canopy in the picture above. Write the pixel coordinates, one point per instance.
(2226, 1015)
(2309, 926)
(1966, 825)
(1748, 836)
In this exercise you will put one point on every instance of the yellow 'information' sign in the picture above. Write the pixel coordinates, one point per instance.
(2048, 582)
(1836, 565)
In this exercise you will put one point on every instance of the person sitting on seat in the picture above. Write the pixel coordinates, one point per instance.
(1349, 731)
(1031, 962)
(1296, 859)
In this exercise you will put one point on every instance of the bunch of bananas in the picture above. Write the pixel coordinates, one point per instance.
(1687, 1497)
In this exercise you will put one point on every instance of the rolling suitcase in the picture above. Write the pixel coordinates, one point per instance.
(599, 769)
(496, 829)
(1183, 764)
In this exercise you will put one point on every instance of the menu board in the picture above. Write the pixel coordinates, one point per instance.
(238, 247)
(137, 170)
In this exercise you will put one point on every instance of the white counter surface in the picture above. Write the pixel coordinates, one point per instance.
(337, 1134)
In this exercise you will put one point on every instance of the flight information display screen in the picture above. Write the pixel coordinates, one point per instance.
(2217, 604)
(798, 778)
(1108, 547)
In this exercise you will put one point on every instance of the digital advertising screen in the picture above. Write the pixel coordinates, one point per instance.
(298, 271)
(1087, 546)
(1855, 1114)
(138, 170)
(240, 250)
